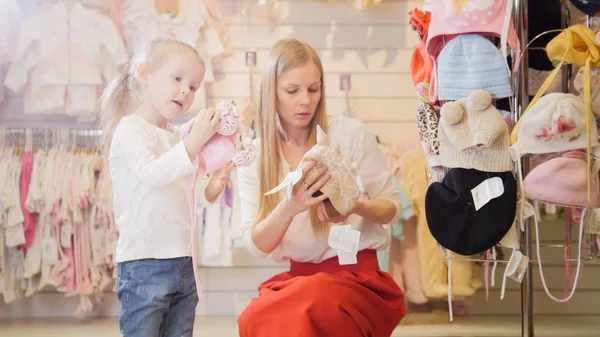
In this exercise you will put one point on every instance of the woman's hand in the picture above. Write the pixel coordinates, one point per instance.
(217, 183)
(302, 193)
(323, 216)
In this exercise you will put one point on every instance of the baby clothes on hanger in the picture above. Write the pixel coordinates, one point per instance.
(10, 21)
(10, 201)
(112, 8)
(235, 230)
(24, 181)
(74, 56)
(216, 23)
(217, 245)
(143, 23)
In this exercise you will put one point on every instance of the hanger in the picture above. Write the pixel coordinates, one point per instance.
(345, 85)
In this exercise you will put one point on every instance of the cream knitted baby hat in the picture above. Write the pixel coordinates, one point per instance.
(344, 187)
(474, 135)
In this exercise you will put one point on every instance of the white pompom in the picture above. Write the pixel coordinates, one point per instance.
(452, 112)
(479, 100)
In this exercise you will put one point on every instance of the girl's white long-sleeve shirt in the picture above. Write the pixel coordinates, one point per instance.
(299, 242)
(149, 169)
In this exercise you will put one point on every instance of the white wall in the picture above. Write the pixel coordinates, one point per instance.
(373, 45)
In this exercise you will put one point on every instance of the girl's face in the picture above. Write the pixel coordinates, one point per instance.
(172, 87)
(298, 94)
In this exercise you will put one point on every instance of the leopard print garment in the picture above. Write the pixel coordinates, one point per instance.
(427, 120)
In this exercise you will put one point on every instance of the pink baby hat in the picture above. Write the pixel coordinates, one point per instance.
(563, 181)
(451, 18)
(222, 147)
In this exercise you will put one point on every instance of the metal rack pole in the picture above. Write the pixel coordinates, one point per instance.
(527, 329)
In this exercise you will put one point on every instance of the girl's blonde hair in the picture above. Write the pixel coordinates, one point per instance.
(120, 97)
(287, 54)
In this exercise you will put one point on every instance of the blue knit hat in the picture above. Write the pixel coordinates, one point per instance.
(470, 62)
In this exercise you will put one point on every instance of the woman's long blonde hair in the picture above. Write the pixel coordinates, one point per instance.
(121, 95)
(287, 54)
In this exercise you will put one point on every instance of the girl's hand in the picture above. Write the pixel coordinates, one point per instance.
(205, 126)
(217, 183)
(323, 216)
(302, 193)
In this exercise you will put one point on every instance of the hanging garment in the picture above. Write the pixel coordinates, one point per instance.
(10, 21)
(216, 245)
(143, 23)
(24, 181)
(433, 266)
(235, 229)
(71, 60)
(345, 310)
(216, 23)
(111, 8)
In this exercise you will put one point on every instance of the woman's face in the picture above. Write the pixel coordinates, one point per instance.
(298, 94)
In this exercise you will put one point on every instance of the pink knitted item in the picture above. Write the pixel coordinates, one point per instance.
(450, 18)
(222, 147)
(562, 181)
(229, 123)
(217, 153)
(246, 153)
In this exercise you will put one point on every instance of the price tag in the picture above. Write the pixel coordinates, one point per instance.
(346, 258)
(427, 5)
(66, 231)
(50, 251)
(517, 266)
(486, 191)
(344, 238)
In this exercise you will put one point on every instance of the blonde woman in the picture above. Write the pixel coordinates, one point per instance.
(318, 296)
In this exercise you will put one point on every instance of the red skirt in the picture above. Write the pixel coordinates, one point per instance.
(326, 299)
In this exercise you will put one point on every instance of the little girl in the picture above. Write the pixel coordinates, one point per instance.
(149, 167)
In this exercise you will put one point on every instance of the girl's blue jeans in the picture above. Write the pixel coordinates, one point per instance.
(158, 297)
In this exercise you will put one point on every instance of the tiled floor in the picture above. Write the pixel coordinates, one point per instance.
(227, 327)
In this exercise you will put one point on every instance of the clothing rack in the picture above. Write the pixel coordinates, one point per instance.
(47, 136)
(519, 103)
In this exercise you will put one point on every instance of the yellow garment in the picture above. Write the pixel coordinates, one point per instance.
(433, 266)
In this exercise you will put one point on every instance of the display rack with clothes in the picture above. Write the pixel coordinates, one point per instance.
(62, 68)
(58, 231)
(471, 131)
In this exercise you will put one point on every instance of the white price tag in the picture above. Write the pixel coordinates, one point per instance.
(427, 5)
(344, 238)
(346, 258)
(66, 231)
(517, 266)
(111, 243)
(489, 189)
(49, 251)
